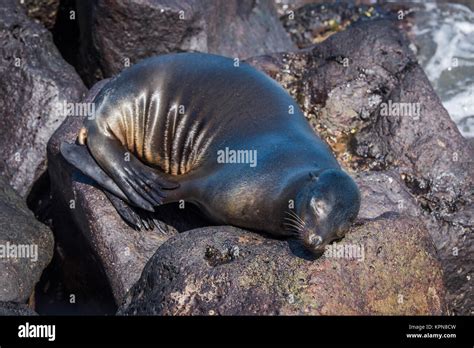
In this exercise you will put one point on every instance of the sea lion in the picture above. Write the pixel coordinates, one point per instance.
(163, 128)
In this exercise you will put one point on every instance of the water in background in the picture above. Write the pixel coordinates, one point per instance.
(444, 36)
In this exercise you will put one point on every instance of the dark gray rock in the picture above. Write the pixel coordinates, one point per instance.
(384, 192)
(35, 79)
(120, 250)
(114, 33)
(26, 247)
(228, 271)
(343, 84)
(15, 309)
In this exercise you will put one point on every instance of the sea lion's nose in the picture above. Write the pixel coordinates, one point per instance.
(315, 239)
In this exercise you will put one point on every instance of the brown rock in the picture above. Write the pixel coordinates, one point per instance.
(228, 271)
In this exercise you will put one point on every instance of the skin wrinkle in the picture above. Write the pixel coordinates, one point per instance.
(187, 121)
(135, 124)
(161, 128)
(197, 128)
(179, 142)
(203, 146)
(165, 144)
(199, 147)
(120, 134)
(144, 123)
(155, 104)
(179, 133)
(175, 141)
(140, 104)
(188, 144)
(171, 134)
(145, 126)
(127, 112)
(185, 135)
(173, 113)
(201, 150)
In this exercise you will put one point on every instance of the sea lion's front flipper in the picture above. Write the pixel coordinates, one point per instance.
(135, 217)
(79, 157)
(144, 186)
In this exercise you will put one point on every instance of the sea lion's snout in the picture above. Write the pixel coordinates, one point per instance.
(315, 240)
(315, 243)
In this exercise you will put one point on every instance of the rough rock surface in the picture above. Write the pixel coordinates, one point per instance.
(34, 80)
(18, 231)
(44, 11)
(119, 249)
(228, 271)
(15, 309)
(313, 23)
(384, 192)
(342, 85)
(114, 33)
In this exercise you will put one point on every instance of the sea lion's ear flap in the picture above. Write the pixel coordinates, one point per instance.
(314, 176)
(82, 136)
(80, 157)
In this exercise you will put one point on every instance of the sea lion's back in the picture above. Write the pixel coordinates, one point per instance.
(168, 110)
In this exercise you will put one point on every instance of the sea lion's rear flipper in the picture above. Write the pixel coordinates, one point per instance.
(79, 157)
(135, 217)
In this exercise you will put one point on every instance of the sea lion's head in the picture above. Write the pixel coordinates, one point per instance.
(324, 209)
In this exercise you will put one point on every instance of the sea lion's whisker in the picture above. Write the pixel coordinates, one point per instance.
(292, 213)
(295, 222)
(296, 228)
(296, 217)
(292, 222)
(293, 232)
